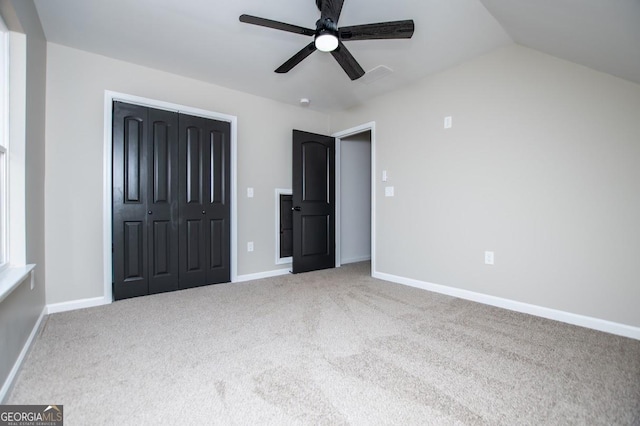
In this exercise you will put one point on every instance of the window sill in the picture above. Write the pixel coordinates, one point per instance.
(12, 277)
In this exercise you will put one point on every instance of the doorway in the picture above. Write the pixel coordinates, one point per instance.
(355, 195)
(355, 198)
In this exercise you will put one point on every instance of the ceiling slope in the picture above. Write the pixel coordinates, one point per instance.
(600, 34)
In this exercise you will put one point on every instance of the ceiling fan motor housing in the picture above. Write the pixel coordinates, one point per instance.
(326, 26)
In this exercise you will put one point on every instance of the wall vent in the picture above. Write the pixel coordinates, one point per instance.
(376, 74)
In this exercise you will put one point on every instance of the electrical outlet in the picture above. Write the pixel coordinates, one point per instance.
(389, 191)
(488, 258)
(249, 192)
(250, 246)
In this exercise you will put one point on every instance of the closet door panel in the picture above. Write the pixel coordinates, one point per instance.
(218, 206)
(162, 214)
(204, 167)
(192, 246)
(130, 183)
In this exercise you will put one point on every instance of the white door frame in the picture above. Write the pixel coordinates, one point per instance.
(371, 126)
(107, 219)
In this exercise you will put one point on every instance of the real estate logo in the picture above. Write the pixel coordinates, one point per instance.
(31, 415)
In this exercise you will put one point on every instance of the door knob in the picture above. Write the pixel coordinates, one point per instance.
(204, 212)
(296, 208)
(149, 212)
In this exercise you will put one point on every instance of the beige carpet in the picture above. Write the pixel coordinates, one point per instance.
(329, 347)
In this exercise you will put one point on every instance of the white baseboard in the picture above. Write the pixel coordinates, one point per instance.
(355, 259)
(76, 304)
(260, 275)
(99, 301)
(8, 383)
(540, 311)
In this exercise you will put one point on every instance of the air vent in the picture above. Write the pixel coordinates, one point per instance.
(376, 74)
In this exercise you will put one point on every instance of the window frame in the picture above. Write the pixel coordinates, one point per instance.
(4, 146)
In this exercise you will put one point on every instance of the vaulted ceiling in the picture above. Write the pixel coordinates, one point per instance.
(203, 39)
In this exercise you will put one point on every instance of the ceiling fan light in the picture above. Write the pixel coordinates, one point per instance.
(326, 42)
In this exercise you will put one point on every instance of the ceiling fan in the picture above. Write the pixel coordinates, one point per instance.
(328, 37)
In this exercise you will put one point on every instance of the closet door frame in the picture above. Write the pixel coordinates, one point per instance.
(109, 98)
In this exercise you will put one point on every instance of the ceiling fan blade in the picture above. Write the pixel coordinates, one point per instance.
(381, 30)
(348, 62)
(248, 19)
(297, 58)
(331, 9)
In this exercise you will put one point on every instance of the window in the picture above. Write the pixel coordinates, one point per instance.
(3, 207)
(13, 119)
(4, 142)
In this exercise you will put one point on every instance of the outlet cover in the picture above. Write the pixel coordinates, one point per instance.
(488, 258)
(389, 191)
(250, 246)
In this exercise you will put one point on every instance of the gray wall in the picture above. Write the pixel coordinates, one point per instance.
(541, 167)
(20, 311)
(355, 198)
(76, 82)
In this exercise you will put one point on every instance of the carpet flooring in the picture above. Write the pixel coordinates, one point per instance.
(328, 347)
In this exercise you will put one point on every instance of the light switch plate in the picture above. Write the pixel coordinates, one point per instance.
(389, 191)
(488, 258)
(448, 122)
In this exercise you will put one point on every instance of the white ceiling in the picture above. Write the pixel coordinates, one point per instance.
(203, 39)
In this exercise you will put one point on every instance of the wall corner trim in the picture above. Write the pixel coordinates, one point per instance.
(512, 305)
(9, 382)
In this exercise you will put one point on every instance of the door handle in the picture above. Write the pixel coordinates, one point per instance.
(149, 212)
(296, 208)
(204, 212)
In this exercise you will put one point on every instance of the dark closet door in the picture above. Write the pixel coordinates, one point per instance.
(162, 213)
(204, 158)
(313, 202)
(130, 182)
(145, 235)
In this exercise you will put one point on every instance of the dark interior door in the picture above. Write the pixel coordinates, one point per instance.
(145, 233)
(204, 201)
(313, 202)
